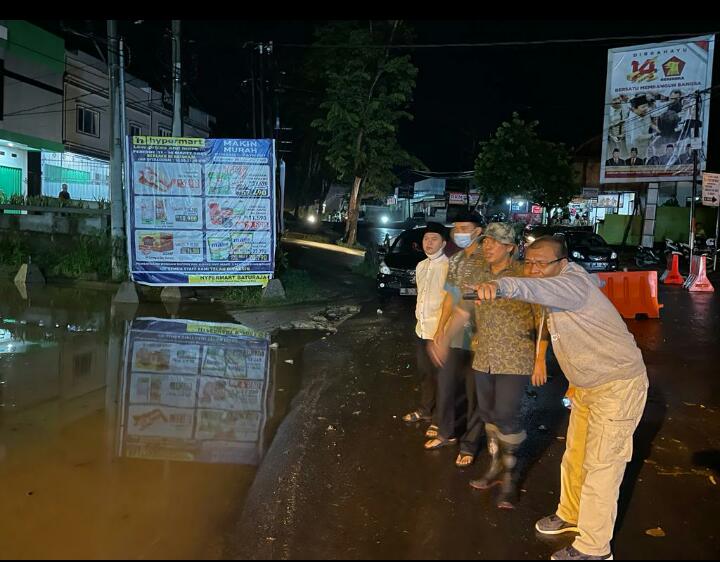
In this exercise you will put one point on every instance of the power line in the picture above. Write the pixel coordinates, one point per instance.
(30, 110)
(705, 94)
(497, 44)
(134, 105)
(87, 68)
(84, 67)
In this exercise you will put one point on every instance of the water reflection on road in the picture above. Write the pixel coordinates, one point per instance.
(124, 433)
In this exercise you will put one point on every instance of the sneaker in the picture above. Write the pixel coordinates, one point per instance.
(571, 553)
(553, 525)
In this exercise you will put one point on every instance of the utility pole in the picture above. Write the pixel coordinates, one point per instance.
(274, 88)
(252, 89)
(117, 217)
(262, 97)
(177, 126)
(123, 118)
(696, 136)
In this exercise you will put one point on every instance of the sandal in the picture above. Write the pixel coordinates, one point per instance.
(439, 442)
(432, 432)
(464, 459)
(414, 416)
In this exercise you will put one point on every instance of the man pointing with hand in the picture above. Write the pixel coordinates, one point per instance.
(601, 360)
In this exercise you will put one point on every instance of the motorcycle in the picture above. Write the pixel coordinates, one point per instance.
(646, 257)
(678, 248)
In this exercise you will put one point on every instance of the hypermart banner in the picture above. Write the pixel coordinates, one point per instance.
(194, 391)
(201, 211)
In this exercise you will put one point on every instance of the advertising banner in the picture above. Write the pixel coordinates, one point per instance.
(201, 211)
(650, 110)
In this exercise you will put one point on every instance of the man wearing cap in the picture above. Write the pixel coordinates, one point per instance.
(507, 345)
(604, 365)
(430, 276)
(455, 378)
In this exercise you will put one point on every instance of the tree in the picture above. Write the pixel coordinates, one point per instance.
(368, 90)
(309, 174)
(515, 161)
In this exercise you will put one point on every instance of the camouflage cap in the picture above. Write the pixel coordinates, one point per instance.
(500, 231)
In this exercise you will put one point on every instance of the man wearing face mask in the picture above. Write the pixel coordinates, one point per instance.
(430, 276)
(455, 378)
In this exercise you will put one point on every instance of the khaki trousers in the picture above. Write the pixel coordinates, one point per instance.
(598, 446)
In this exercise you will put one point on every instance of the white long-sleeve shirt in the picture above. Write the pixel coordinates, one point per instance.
(430, 276)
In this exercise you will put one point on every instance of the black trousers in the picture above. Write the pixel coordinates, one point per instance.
(428, 385)
(455, 406)
(498, 400)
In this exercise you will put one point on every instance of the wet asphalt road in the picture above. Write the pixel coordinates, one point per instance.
(345, 478)
(334, 473)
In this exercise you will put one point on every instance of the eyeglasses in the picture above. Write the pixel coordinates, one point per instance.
(541, 264)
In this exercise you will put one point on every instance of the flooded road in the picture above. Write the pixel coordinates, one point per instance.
(153, 433)
(127, 433)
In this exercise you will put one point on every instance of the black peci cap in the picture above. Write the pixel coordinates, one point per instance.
(438, 229)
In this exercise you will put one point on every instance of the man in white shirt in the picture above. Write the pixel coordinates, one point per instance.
(430, 276)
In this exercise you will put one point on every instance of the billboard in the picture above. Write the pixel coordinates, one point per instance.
(194, 391)
(650, 110)
(201, 211)
(460, 198)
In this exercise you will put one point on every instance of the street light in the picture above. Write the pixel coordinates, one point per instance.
(509, 204)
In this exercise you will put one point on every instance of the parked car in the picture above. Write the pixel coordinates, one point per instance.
(397, 266)
(585, 248)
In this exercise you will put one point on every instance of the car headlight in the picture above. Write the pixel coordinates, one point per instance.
(577, 255)
(613, 256)
(384, 269)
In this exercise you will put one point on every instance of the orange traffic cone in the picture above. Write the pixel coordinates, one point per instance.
(672, 274)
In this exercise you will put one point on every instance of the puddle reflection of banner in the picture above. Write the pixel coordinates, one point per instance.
(194, 391)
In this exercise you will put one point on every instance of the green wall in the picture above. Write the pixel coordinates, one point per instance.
(671, 222)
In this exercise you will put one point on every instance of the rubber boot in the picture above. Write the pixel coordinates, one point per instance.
(491, 476)
(508, 489)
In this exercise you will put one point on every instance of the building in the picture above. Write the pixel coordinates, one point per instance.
(32, 69)
(665, 205)
(56, 120)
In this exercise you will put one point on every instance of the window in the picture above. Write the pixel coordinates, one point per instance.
(135, 130)
(409, 242)
(163, 132)
(588, 239)
(88, 121)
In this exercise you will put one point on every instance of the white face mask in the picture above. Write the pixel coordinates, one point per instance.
(438, 253)
(462, 239)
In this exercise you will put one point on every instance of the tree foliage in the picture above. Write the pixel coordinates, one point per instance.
(515, 161)
(367, 94)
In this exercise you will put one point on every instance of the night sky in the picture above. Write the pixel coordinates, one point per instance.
(462, 94)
